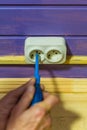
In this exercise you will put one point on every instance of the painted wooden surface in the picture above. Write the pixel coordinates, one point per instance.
(71, 112)
(45, 2)
(21, 60)
(53, 85)
(43, 20)
(12, 50)
(68, 71)
(67, 18)
(14, 45)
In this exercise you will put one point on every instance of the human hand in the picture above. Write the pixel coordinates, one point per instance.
(36, 117)
(8, 102)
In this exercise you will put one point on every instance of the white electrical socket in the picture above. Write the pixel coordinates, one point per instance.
(52, 50)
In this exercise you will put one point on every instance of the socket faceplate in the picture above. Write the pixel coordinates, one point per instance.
(52, 50)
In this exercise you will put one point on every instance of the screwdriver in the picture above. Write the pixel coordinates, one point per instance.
(38, 96)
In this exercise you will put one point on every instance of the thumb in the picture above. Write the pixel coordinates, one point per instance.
(49, 102)
(25, 101)
(13, 96)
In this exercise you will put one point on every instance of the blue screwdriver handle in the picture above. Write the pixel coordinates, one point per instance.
(38, 96)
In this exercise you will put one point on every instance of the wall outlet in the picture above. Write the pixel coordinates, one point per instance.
(52, 50)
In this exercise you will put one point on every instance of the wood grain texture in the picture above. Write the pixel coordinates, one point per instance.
(21, 60)
(43, 20)
(67, 71)
(14, 45)
(45, 2)
(48, 18)
(53, 85)
(71, 112)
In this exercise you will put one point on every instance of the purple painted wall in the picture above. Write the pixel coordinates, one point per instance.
(15, 45)
(43, 20)
(78, 2)
(22, 18)
(69, 71)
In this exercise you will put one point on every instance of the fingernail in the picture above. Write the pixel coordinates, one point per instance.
(32, 80)
(31, 88)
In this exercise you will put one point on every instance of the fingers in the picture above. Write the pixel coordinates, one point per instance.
(47, 123)
(23, 87)
(49, 102)
(42, 108)
(25, 100)
(42, 87)
(11, 99)
(46, 94)
(31, 82)
(19, 91)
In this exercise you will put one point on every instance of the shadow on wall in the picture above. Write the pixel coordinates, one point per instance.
(63, 119)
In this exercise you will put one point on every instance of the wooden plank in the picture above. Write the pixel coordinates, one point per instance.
(44, 2)
(71, 112)
(43, 20)
(15, 45)
(69, 123)
(69, 115)
(53, 85)
(66, 71)
(80, 108)
(21, 60)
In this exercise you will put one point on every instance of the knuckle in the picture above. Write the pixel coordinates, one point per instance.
(40, 111)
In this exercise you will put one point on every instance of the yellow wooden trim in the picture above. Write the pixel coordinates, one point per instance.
(21, 60)
(54, 85)
(71, 112)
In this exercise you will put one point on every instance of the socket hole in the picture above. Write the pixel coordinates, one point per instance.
(32, 55)
(55, 52)
(54, 56)
(38, 52)
(49, 56)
